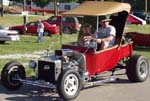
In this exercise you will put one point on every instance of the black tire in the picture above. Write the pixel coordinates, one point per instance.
(47, 33)
(137, 68)
(69, 84)
(10, 71)
(2, 42)
(67, 30)
(19, 31)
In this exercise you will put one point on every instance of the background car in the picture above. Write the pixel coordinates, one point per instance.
(142, 15)
(31, 28)
(132, 19)
(8, 35)
(69, 24)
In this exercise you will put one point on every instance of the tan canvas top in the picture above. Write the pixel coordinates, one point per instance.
(97, 8)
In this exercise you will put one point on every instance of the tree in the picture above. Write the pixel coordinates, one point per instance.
(71, 0)
(20, 1)
(41, 3)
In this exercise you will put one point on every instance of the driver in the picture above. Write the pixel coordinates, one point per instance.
(85, 40)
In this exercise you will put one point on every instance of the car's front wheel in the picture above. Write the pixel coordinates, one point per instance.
(10, 73)
(69, 84)
(137, 68)
(47, 33)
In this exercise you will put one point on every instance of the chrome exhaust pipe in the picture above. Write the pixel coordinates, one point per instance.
(100, 82)
(38, 83)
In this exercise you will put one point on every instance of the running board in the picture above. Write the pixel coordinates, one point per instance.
(44, 84)
(99, 82)
(38, 83)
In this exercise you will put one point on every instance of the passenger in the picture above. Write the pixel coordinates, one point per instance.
(105, 37)
(40, 31)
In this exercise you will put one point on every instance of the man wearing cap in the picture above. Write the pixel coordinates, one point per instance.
(105, 37)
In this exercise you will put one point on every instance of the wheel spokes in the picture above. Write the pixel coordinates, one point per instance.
(71, 84)
(143, 68)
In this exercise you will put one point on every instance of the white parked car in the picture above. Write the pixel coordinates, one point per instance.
(8, 35)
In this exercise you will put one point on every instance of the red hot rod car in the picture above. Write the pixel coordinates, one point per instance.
(61, 71)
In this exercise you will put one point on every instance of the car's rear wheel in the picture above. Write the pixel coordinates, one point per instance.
(67, 30)
(10, 73)
(69, 84)
(137, 68)
(47, 33)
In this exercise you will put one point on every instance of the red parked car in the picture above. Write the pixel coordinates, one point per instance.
(31, 28)
(139, 39)
(69, 24)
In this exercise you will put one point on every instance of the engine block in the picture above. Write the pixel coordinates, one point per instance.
(48, 70)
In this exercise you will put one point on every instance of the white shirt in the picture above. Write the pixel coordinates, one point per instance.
(40, 27)
(106, 32)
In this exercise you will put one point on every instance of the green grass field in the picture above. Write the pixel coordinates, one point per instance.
(28, 44)
(11, 20)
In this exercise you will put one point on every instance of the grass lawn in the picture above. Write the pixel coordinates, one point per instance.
(17, 19)
(28, 44)
(138, 28)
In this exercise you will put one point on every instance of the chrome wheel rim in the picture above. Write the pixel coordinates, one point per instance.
(71, 84)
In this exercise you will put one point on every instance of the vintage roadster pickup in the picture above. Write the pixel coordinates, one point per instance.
(61, 70)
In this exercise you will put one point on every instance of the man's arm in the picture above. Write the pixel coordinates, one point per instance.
(108, 39)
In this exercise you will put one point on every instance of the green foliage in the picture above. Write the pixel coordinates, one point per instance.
(136, 4)
(69, 0)
(17, 0)
(41, 3)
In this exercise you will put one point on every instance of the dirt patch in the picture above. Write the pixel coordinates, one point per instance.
(36, 54)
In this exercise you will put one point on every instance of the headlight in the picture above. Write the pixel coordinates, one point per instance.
(32, 64)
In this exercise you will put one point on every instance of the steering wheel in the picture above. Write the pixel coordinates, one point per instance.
(91, 44)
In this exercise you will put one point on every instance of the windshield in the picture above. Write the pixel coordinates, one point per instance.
(52, 19)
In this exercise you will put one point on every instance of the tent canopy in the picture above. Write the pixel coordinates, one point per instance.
(97, 8)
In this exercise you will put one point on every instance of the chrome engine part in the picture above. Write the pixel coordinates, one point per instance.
(50, 67)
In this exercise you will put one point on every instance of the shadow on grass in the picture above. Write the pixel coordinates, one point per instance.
(117, 81)
(6, 43)
(33, 93)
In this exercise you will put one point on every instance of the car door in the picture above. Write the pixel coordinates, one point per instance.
(32, 27)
